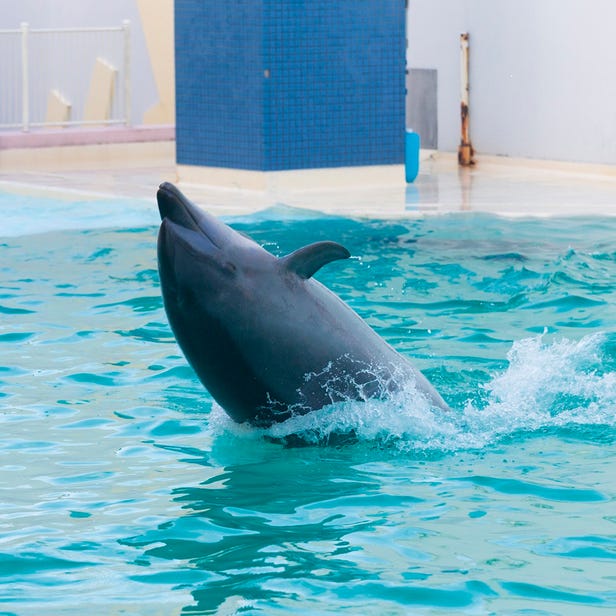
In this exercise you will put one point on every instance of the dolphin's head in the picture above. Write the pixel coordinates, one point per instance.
(200, 261)
(198, 255)
(180, 215)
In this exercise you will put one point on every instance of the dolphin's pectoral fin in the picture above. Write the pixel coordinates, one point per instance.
(310, 259)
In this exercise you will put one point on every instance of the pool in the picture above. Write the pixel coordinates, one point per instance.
(125, 489)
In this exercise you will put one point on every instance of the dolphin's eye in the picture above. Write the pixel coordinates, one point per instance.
(230, 268)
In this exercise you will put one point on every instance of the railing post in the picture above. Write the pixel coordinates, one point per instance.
(25, 79)
(127, 67)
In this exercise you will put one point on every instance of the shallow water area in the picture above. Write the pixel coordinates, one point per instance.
(126, 489)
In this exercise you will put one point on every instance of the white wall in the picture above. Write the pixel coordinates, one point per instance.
(543, 74)
(75, 13)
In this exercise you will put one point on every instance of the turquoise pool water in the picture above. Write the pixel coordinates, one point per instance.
(124, 490)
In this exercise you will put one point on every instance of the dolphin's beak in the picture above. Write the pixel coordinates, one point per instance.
(176, 208)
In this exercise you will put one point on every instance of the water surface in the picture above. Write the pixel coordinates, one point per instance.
(125, 489)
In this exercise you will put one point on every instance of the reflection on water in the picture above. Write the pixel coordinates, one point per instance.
(284, 529)
(256, 524)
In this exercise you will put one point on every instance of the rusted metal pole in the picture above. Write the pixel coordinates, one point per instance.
(465, 150)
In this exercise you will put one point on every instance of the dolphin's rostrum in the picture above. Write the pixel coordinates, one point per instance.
(265, 338)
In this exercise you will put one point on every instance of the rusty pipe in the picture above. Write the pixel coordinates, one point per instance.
(465, 150)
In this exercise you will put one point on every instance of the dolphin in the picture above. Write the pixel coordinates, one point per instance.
(265, 338)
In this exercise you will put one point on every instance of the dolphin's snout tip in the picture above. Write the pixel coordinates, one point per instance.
(174, 207)
(165, 190)
(166, 196)
(166, 187)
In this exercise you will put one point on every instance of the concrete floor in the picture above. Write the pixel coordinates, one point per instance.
(496, 185)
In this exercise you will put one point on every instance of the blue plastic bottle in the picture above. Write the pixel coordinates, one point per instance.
(412, 143)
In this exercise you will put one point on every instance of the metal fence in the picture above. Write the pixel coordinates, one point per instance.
(64, 77)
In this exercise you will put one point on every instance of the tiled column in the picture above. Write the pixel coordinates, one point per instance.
(277, 85)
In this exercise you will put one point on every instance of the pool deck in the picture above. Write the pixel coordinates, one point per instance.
(498, 185)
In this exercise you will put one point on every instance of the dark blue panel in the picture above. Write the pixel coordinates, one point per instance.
(219, 83)
(336, 91)
(290, 84)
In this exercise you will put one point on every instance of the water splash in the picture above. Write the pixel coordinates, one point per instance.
(548, 385)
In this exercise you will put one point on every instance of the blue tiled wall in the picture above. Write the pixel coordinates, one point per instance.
(219, 83)
(290, 84)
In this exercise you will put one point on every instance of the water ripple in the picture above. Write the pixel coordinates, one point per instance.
(516, 486)
(119, 472)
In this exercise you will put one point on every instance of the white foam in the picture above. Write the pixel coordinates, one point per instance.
(546, 385)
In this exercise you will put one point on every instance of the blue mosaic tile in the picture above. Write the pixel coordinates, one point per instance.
(290, 84)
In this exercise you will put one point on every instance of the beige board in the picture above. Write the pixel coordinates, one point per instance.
(58, 109)
(102, 89)
(157, 23)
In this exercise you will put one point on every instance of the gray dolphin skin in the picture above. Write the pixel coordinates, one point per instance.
(265, 338)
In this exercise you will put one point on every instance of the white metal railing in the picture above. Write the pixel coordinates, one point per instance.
(53, 77)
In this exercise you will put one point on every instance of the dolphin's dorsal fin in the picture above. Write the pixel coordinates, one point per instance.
(310, 259)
